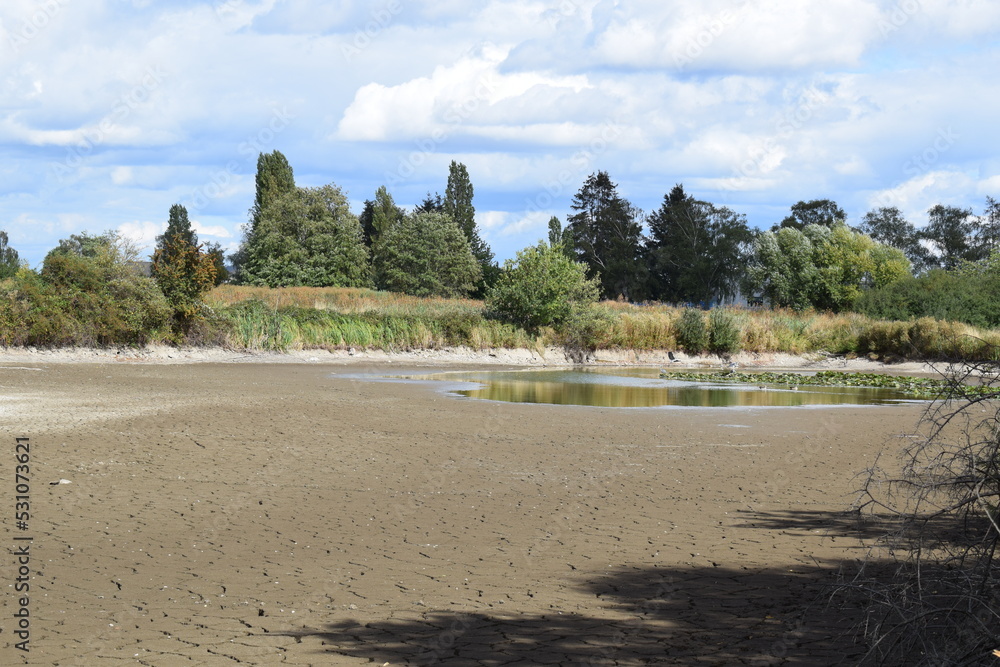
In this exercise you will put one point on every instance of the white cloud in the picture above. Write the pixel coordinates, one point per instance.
(490, 220)
(532, 225)
(211, 230)
(142, 233)
(916, 195)
(447, 102)
(121, 175)
(853, 166)
(785, 34)
(784, 100)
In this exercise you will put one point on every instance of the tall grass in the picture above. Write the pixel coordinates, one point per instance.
(257, 318)
(346, 318)
(339, 318)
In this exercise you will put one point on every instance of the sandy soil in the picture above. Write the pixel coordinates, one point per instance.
(263, 514)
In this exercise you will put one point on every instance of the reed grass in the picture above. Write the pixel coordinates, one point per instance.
(340, 318)
(298, 318)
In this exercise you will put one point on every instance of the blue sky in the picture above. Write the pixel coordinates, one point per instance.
(113, 110)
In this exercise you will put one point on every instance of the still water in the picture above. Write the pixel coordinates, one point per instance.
(643, 388)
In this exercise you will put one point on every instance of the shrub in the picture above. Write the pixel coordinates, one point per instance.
(724, 333)
(692, 335)
(541, 287)
(943, 295)
(88, 293)
(184, 274)
(939, 601)
(583, 331)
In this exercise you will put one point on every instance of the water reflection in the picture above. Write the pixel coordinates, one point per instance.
(643, 388)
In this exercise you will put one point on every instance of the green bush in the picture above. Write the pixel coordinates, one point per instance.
(88, 293)
(541, 287)
(943, 295)
(692, 334)
(584, 331)
(724, 333)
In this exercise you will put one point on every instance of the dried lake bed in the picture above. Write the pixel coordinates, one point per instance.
(291, 513)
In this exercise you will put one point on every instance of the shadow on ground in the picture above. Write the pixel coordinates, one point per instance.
(644, 616)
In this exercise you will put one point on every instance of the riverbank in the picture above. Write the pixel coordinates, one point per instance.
(544, 357)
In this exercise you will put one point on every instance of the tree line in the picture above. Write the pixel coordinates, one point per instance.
(696, 252)
(687, 251)
(300, 236)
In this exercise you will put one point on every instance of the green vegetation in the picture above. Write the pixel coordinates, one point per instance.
(426, 254)
(692, 248)
(87, 293)
(458, 206)
(9, 261)
(306, 262)
(967, 294)
(606, 232)
(542, 287)
(332, 319)
(822, 267)
(306, 236)
(181, 270)
(924, 388)
(724, 336)
(692, 334)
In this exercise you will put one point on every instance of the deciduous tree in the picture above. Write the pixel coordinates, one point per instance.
(426, 254)
(822, 212)
(951, 231)
(308, 237)
(9, 260)
(887, 225)
(820, 267)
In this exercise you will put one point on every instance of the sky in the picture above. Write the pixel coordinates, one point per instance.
(113, 110)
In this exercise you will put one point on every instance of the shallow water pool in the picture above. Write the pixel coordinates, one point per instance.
(643, 388)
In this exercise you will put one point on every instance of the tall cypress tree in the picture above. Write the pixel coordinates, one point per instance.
(178, 228)
(274, 180)
(458, 204)
(180, 268)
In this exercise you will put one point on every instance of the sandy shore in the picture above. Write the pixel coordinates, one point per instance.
(256, 513)
(551, 356)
